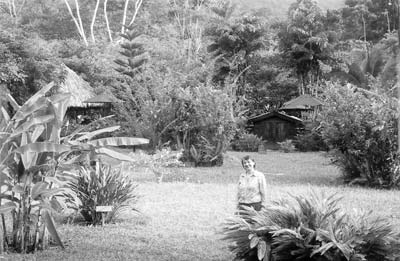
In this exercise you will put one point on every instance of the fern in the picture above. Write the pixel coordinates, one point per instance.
(310, 227)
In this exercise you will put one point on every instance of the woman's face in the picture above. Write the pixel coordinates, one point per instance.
(248, 164)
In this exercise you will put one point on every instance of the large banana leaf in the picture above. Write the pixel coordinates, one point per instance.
(37, 132)
(60, 105)
(12, 102)
(7, 207)
(36, 99)
(90, 135)
(52, 228)
(114, 154)
(29, 158)
(118, 141)
(47, 193)
(25, 111)
(32, 122)
(4, 114)
(39, 147)
(9, 197)
(37, 189)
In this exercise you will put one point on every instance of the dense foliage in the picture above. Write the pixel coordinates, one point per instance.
(36, 163)
(247, 142)
(361, 127)
(311, 227)
(104, 186)
(186, 72)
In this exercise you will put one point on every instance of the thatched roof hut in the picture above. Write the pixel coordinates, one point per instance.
(102, 99)
(79, 89)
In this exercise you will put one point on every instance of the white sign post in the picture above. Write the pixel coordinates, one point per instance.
(103, 210)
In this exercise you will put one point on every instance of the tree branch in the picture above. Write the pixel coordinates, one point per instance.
(77, 24)
(106, 18)
(138, 4)
(94, 20)
(124, 16)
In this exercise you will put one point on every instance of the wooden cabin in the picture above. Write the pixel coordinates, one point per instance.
(305, 107)
(84, 105)
(101, 104)
(275, 126)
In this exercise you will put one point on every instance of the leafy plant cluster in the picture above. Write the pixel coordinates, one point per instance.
(104, 186)
(37, 163)
(247, 142)
(311, 227)
(310, 140)
(287, 145)
(158, 162)
(184, 109)
(360, 126)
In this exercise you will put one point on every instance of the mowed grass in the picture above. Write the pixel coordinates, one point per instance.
(181, 217)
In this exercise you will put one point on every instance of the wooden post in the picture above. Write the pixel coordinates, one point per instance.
(103, 210)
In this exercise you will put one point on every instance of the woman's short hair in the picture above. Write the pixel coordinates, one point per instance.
(247, 158)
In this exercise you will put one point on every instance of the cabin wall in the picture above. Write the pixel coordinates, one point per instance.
(275, 129)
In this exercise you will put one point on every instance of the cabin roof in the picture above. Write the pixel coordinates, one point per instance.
(280, 115)
(79, 89)
(102, 98)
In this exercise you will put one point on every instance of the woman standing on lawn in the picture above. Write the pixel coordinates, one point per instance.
(252, 186)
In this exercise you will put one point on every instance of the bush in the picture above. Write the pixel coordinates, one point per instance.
(310, 141)
(361, 128)
(104, 186)
(160, 162)
(287, 146)
(310, 228)
(247, 142)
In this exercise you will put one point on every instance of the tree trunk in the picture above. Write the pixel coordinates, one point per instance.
(14, 11)
(138, 4)
(94, 20)
(106, 18)
(364, 29)
(78, 14)
(78, 24)
(124, 16)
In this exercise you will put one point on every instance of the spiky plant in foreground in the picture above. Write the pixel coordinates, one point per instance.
(310, 228)
(104, 186)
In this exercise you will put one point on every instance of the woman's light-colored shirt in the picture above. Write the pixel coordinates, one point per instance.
(252, 188)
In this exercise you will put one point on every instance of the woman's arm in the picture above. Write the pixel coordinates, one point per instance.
(263, 188)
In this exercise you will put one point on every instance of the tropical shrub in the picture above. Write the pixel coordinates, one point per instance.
(310, 141)
(311, 227)
(160, 162)
(172, 99)
(36, 164)
(247, 142)
(286, 145)
(29, 146)
(103, 186)
(360, 127)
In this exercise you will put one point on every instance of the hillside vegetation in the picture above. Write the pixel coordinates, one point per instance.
(280, 7)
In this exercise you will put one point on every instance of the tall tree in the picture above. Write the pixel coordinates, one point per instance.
(306, 41)
(234, 44)
(369, 20)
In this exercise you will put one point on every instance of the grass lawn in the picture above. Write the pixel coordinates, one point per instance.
(181, 217)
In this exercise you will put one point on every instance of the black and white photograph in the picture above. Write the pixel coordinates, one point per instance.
(200, 130)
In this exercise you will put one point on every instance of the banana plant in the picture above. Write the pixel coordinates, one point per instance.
(35, 162)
